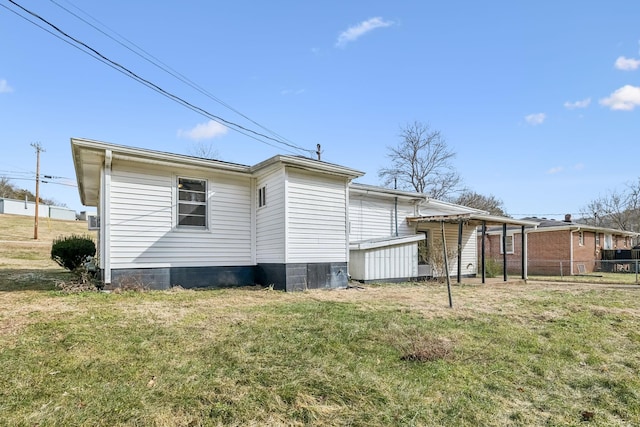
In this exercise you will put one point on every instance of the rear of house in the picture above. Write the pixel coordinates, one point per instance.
(290, 222)
(168, 219)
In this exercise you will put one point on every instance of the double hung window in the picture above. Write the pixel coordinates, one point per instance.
(508, 243)
(192, 203)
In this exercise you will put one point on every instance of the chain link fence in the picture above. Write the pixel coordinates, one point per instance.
(612, 271)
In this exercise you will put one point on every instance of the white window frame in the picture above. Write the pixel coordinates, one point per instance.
(204, 203)
(512, 245)
(608, 241)
(262, 196)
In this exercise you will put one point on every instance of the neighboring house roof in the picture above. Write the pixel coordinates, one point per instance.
(545, 225)
(89, 156)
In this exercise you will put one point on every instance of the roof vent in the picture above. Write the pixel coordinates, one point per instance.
(567, 218)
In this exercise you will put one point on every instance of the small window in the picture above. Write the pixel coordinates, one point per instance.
(580, 238)
(509, 244)
(262, 196)
(597, 239)
(192, 203)
(423, 250)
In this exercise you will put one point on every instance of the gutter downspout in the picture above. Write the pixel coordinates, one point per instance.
(395, 187)
(396, 214)
(105, 221)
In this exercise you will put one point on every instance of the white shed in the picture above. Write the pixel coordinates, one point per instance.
(385, 260)
(58, 212)
(23, 207)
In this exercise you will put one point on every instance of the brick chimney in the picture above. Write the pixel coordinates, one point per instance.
(567, 218)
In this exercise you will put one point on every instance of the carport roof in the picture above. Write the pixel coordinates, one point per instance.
(473, 218)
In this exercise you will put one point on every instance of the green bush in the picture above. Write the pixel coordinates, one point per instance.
(493, 267)
(71, 252)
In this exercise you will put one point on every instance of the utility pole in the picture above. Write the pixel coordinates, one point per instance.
(38, 148)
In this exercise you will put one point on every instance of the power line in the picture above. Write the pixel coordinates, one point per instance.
(129, 73)
(142, 53)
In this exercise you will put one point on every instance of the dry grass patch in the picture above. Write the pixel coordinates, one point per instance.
(18, 249)
(503, 356)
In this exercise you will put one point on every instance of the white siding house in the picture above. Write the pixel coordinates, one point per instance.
(168, 219)
(291, 222)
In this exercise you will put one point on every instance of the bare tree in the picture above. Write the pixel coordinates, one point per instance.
(489, 203)
(617, 209)
(6, 188)
(204, 150)
(421, 162)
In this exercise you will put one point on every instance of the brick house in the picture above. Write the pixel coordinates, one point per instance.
(556, 247)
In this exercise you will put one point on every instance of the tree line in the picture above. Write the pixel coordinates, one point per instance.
(619, 208)
(8, 190)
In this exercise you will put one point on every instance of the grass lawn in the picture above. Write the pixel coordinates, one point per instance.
(387, 355)
(507, 354)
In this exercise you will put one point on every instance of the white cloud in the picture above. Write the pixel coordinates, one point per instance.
(626, 98)
(578, 166)
(627, 64)
(578, 104)
(357, 31)
(555, 170)
(4, 86)
(208, 130)
(535, 119)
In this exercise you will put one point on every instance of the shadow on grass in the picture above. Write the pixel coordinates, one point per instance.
(31, 280)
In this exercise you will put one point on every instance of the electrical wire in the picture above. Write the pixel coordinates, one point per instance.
(140, 52)
(124, 70)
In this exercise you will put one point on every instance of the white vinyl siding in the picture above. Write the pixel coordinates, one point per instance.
(317, 217)
(388, 262)
(270, 219)
(143, 220)
(372, 218)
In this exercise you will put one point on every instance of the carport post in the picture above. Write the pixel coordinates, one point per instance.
(523, 250)
(460, 251)
(446, 264)
(504, 251)
(484, 233)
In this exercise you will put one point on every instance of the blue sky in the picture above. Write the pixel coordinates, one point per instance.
(540, 100)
